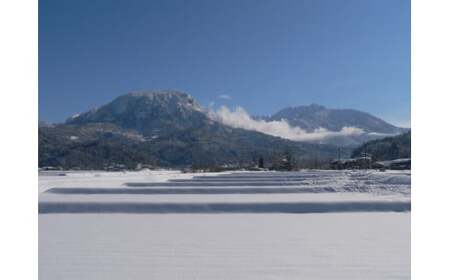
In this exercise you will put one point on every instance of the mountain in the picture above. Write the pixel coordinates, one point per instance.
(149, 113)
(388, 148)
(163, 128)
(315, 117)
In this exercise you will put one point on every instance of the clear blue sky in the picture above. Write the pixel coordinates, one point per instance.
(264, 54)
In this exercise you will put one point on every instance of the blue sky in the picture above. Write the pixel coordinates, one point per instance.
(262, 55)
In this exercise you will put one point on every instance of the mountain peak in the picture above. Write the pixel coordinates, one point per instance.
(147, 111)
(158, 93)
(316, 106)
(313, 107)
(165, 97)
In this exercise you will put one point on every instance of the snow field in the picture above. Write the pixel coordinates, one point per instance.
(353, 225)
(227, 246)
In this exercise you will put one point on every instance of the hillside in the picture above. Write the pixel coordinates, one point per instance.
(388, 148)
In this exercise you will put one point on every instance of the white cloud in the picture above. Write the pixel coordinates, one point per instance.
(224, 96)
(239, 118)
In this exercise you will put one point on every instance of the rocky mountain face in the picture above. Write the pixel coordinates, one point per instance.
(162, 128)
(148, 113)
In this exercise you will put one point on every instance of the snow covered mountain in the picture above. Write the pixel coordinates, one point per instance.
(315, 116)
(147, 112)
(163, 128)
(169, 128)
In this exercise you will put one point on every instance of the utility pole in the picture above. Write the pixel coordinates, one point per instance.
(364, 154)
(315, 160)
(366, 159)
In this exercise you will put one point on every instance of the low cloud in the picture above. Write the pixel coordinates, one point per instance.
(239, 118)
(224, 96)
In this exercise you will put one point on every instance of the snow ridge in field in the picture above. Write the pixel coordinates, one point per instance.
(257, 192)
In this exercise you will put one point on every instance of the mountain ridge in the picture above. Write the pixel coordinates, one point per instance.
(163, 128)
(313, 116)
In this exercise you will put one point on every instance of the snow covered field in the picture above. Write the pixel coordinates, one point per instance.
(354, 225)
